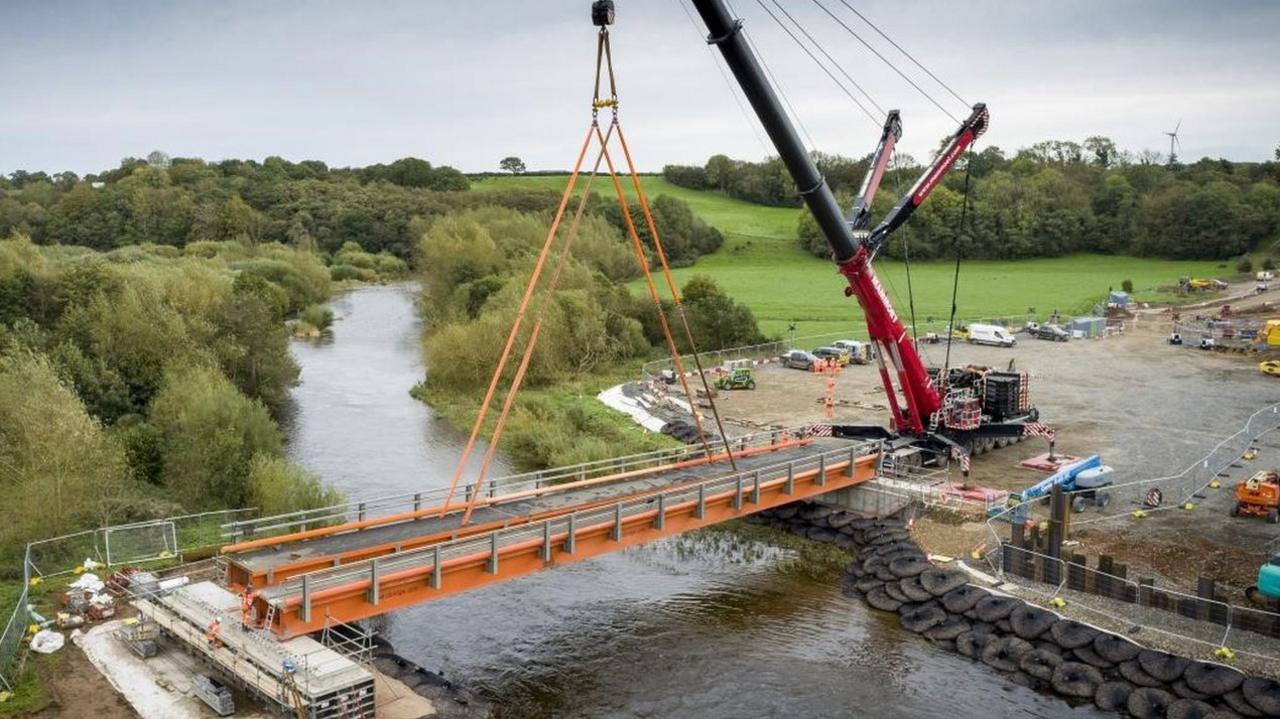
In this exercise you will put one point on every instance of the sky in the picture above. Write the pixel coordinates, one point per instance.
(87, 83)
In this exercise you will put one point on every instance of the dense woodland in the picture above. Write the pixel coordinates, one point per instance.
(380, 208)
(145, 382)
(1053, 198)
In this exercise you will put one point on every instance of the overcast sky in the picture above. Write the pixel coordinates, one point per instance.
(466, 83)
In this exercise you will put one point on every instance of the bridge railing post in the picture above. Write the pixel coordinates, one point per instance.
(571, 540)
(790, 487)
(755, 487)
(737, 492)
(853, 456)
(360, 512)
(616, 533)
(305, 610)
(821, 479)
(492, 566)
(660, 521)
(374, 595)
(437, 575)
(700, 510)
(546, 540)
(417, 501)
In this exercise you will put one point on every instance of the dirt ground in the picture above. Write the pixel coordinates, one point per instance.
(75, 688)
(1149, 408)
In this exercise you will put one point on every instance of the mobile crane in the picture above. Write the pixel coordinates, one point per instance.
(949, 411)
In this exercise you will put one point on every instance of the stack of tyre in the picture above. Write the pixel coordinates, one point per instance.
(685, 432)
(1033, 646)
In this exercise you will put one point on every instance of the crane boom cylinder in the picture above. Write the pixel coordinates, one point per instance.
(726, 34)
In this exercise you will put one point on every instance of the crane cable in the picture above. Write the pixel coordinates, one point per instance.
(902, 50)
(750, 119)
(819, 63)
(886, 60)
(603, 60)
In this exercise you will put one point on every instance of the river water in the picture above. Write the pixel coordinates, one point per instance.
(704, 625)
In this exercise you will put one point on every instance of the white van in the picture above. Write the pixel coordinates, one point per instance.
(991, 335)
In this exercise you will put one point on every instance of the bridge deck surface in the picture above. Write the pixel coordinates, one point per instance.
(265, 559)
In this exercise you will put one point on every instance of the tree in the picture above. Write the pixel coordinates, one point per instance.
(512, 164)
(211, 435)
(717, 320)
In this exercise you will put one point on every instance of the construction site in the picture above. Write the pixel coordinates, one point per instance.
(1086, 509)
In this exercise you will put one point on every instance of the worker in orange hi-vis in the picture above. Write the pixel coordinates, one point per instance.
(831, 406)
(211, 635)
(246, 607)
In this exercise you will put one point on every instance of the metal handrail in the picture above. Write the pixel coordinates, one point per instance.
(422, 557)
(416, 501)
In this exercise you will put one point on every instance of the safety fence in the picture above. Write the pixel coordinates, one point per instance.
(414, 502)
(153, 541)
(1107, 588)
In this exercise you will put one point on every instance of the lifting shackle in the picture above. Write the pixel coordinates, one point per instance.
(602, 13)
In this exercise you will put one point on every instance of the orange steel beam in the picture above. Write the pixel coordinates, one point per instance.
(549, 489)
(239, 576)
(362, 598)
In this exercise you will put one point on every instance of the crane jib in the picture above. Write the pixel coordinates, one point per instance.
(931, 180)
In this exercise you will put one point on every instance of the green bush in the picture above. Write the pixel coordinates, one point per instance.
(1268, 264)
(1127, 286)
(277, 485)
(211, 434)
(350, 272)
(318, 316)
(1245, 265)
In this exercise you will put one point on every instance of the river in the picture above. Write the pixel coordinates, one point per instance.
(705, 625)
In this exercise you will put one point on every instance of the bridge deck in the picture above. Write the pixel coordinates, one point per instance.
(279, 561)
(556, 527)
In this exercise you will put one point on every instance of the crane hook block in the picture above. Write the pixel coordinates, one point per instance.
(602, 13)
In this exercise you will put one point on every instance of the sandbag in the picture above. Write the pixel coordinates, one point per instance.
(914, 590)
(1263, 694)
(786, 511)
(1211, 679)
(908, 567)
(867, 584)
(950, 629)
(995, 607)
(1136, 675)
(895, 592)
(1115, 648)
(920, 620)
(884, 575)
(844, 541)
(1005, 653)
(1181, 690)
(1188, 709)
(1049, 646)
(1030, 622)
(1003, 626)
(879, 599)
(962, 599)
(839, 519)
(940, 581)
(1069, 634)
(814, 512)
(1087, 655)
(1040, 663)
(1112, 696)
(849, 587)
(1162, 665)
(1149, 703)
(971, 643)
(1235, 699)
(1074, 679)
(821, 534)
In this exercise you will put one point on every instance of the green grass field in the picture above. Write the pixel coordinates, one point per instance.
(761, 265)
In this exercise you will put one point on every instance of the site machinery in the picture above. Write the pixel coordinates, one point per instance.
(948, 411)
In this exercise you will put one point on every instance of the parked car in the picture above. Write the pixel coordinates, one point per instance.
(1175, 339)
(839, 355)
(1051, 332)
(991, 335)
(799, 359)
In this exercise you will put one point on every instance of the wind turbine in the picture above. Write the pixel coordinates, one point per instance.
(1173, 140)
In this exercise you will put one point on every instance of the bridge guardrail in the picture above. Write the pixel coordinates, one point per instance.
(417, 501)
(568, 524)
